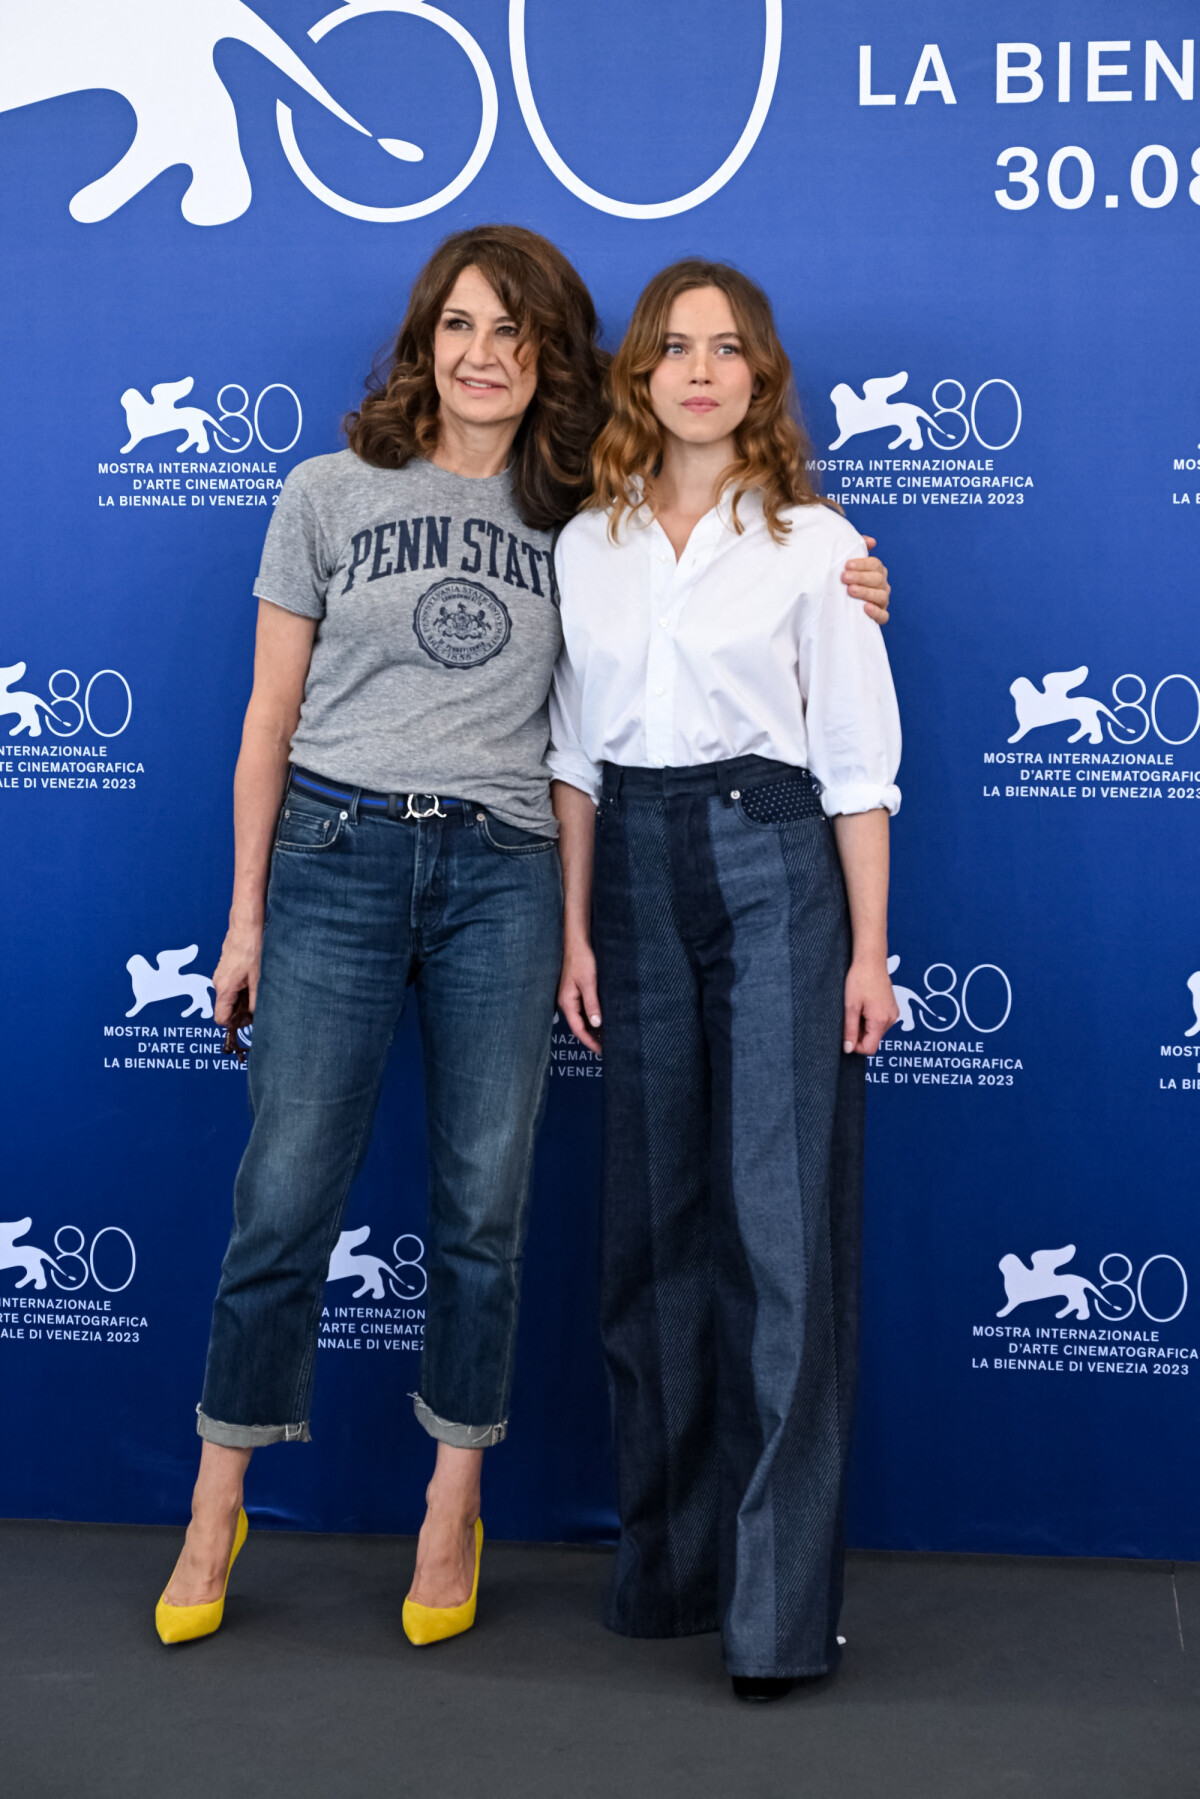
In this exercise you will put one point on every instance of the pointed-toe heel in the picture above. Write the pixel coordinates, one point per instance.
(181, 1623)
(433, 1623)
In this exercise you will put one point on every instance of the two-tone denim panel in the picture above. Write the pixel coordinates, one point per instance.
(733, 1145)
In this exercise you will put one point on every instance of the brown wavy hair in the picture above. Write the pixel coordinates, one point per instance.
(547, 299)
(771, 446)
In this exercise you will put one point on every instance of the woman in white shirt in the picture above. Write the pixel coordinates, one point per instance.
(725, 736)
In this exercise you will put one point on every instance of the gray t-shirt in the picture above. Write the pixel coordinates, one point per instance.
(438, 636)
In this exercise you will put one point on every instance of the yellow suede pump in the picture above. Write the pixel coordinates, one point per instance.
(180, 1623)
(433, 1623)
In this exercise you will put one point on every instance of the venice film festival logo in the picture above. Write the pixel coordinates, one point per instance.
(383, 1324)
(66, 1294)
(234, 430)
(1080, 1325)
(1115, 1298)
(157, 1044)
(943, 1031)
(404, 1277)
(976, 427)
(166, 980)
(71, 1264)
(160, 58)
(1129, 747)
(64, 714)
(877, 409)
(940, 1009)
(1127, 721)
(238, 430)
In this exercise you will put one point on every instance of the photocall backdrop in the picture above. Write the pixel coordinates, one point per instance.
(979, 228)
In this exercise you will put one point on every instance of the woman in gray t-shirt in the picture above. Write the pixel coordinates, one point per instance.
(391, 801)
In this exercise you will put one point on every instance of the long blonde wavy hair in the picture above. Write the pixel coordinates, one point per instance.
(771, 446)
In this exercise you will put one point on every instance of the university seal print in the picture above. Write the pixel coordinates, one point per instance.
(461, 624)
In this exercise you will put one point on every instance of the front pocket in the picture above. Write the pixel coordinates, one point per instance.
(782, 802)
(300, 831)
(510, 840)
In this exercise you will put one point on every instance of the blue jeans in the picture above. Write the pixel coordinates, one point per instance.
(360, 907)
(733, 1160)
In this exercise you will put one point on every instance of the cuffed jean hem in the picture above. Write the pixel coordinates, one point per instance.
(459, 1436)
(249, 1436)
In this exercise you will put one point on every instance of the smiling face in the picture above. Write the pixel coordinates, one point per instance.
(702, 387)
(485, 376)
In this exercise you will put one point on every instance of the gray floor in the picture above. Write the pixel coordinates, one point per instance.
(964, 1677)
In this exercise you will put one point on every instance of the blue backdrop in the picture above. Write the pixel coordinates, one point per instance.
(979, 227)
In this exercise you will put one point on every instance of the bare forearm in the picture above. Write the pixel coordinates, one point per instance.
(870, 1009)
(258, 785)
(862, 841)
(283, 648)
(578, 995)
(576, 814)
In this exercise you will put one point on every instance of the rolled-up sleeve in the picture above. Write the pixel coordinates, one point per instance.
(566, 758)
(851, 717)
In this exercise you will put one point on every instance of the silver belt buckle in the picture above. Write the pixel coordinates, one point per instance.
(434, 811)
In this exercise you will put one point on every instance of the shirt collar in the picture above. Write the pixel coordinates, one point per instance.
(750, 508)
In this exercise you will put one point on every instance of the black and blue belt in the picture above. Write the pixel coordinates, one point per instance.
(403, 806)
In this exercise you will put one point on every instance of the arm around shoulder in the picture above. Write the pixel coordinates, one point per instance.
(866, 578)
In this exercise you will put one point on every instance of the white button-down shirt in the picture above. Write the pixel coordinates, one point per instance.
(741, 647)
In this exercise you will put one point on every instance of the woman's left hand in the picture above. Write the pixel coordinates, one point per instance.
(867, 580)
(871, 1008)
(578, 993)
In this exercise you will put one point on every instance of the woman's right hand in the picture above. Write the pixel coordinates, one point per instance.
(237, 969)
(283, 650)
(578, 995)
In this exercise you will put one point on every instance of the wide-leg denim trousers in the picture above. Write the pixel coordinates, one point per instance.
(732, 1189)
(467, 911)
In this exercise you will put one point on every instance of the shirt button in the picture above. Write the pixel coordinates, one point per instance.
(663, 623)
(659, 691)
(662, 558)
